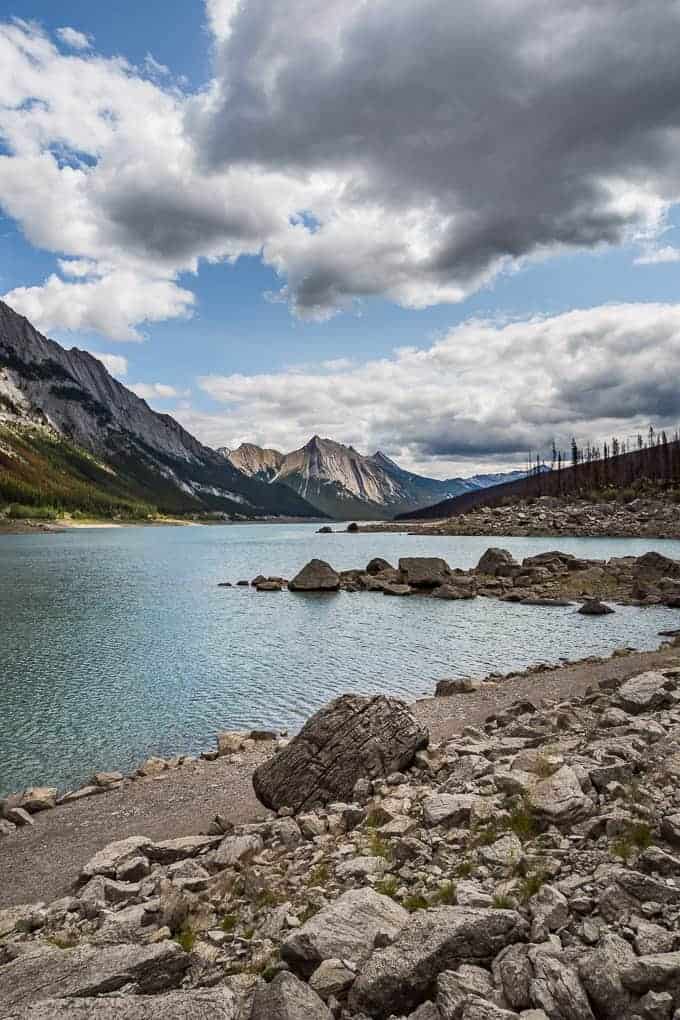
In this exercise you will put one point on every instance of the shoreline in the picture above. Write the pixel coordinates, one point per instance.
(26, 526)
(46, 855)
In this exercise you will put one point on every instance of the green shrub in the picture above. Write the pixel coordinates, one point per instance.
(186, 937)
(415, 902)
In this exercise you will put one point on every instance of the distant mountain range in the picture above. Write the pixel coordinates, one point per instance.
(73, 436)
(343, 484)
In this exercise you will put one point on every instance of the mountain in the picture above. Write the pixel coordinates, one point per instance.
(343, 483)
(73, 436)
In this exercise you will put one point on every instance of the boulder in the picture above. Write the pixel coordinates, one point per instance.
(645, 692)
(424, 571)
(44, 972)
(317, 575)
(559, 798)
(456, 685)
(448, 808)
(345, 930)
(325, 530)
(377, 565)
(494, 560)
(352, 738)
(269, 586)
(454, 591)
(593, 607)
(235, 850)
(600, 973)
(288, 998)
(39, 798)
(396, 589)
(202, 1004)
(399, 977)
(653, 566)
(331, 977)
(556, 988)
(109, 859)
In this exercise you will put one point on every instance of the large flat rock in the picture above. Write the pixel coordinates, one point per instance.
(344, 930)
(398, 978)
(46, 973)
(205, 1004)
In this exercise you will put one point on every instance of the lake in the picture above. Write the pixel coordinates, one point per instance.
(116, 644)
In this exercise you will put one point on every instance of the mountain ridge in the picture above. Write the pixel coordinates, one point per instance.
(111, 438)
(343, 483)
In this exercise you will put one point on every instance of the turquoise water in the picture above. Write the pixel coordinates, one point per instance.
(116, 644)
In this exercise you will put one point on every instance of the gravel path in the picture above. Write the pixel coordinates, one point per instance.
(42, 862)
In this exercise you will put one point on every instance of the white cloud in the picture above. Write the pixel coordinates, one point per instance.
(487, 392)
(655, 256)
(412, 153)
(156, 391)
(116, 364)
(75, 39)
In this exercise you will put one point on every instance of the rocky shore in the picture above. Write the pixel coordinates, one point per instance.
(527, 867)
(550, 516)
(548, 578)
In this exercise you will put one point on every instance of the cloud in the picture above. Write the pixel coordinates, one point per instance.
(75, 39)
(156, 391)
(411, 152)
(116, 364)
(486, 392)
(655, 256)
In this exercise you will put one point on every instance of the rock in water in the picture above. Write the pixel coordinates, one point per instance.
(424, 571)
(352, 738)
(493, 559)
(593, 607)
(316, 576)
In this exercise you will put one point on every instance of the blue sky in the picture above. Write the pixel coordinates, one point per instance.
(358, 313)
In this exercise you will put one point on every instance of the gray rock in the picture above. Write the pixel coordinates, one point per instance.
(361, 867)
(513, 972)
(550, 911)
(204, 1004)
(456, 685)
(38, 798)
(482, 1009)
(346, 930)
(397, 589)
(107, 861)
(424, 571)
(448, 808)
(654, 971)
(494, 559)
(600, 973)
(352, 738)
(170, 850)
(288, 998)
(317, 575)
(556, 988)
(645, 692)
(670, 829)
(559, 798)
(377, 565)
(236, 850)
(44, 972)
(331, 977)
(593, 607)
(400, 975)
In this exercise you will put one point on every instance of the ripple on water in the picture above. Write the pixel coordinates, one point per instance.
(118, 644)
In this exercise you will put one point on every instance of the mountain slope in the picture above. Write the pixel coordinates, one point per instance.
(342, 483)
(63, 417)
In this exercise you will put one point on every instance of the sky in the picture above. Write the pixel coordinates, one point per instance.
(448, 233)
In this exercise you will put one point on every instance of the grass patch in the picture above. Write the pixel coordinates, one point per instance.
(186, 938)
(373, 820)
(268, 898)
(387, 886)
(379, 847)
(502, 902)
(308, 912)
(319, 874)
(465, 868)
(229, 922)
(415, 902)
(446, 894)
(523, 822)
(637, 837)
(530, 885)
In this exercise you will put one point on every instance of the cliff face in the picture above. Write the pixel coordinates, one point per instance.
(70, 394)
